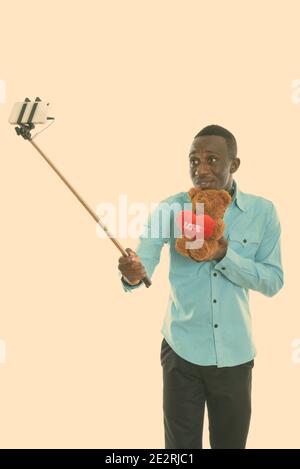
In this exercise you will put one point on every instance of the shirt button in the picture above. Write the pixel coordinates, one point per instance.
(244, 241)
(216, 325)
(214, 301)
(215, 274)
(223, 268)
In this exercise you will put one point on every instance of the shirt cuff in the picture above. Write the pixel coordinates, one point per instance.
(126, 286)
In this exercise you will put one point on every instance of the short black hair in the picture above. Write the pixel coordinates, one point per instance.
(221, 132)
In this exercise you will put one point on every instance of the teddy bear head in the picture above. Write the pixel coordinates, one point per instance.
(215, 201)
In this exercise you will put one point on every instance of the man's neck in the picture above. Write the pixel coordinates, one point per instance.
(230, 190)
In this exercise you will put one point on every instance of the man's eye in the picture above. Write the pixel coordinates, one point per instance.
(212, 159)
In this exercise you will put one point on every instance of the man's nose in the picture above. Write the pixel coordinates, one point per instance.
(202, 169)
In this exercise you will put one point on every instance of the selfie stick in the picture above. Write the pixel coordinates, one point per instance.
(25, 131)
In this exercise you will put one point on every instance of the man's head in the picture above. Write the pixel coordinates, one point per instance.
(212, 158)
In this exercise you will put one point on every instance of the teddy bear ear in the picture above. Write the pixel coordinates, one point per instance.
(225, 197)
(192, 192)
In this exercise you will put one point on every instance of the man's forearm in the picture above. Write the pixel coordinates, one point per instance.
(248, 273)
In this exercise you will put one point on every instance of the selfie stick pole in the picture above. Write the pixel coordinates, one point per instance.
(24, 131)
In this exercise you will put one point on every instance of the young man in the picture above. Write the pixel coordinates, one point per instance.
(207, 353)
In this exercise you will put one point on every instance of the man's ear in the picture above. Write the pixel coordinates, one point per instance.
(234, 166)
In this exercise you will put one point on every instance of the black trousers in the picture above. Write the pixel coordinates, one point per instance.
(187, 387)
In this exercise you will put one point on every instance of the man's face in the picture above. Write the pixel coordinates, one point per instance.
(210, 158)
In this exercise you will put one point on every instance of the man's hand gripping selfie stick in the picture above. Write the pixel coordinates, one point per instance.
(24, 129)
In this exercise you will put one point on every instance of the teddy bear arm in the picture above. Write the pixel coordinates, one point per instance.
(208, 249)
(219, 229)
(181, 246)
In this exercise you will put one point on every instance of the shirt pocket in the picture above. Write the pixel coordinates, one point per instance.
(245, 244)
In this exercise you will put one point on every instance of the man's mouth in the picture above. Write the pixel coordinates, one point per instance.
(203, 183)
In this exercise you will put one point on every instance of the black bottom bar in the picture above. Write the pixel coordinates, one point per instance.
(144, 457)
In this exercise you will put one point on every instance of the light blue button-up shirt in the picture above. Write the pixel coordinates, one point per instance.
(208, 321)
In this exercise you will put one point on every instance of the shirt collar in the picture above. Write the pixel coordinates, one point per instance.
(237, 197)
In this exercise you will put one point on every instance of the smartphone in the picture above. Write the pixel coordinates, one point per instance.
(39, 117)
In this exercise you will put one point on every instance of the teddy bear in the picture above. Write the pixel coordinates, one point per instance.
(215, 203)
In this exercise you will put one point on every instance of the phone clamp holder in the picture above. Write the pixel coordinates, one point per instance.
(25, 128)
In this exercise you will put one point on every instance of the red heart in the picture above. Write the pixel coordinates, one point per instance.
(190, 224)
